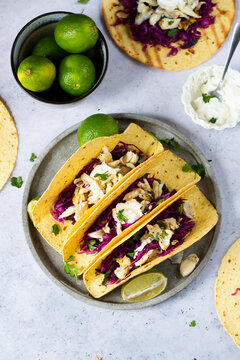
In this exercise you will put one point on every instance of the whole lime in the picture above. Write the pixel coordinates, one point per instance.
(96, 125)
(76, 33)
(36, 73)
(48, 48)
(76, 74)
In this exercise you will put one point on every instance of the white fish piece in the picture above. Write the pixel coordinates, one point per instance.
(145, 185)
(123, 262)
(140, 18)
(171, 223)
(149, 2)
(104, 169)
(166, 239)
(188, 209)
(130, 157)
(121, 272)
(167, 24)
(80, 210)
(141, 246)
(147, 257)
(105, 155)
(142, 194)
(188, 264)
(157, 189)
(114, 163)
(131, 211)
(96, 192)
(189, 11)
(96, 234)
(68, 212)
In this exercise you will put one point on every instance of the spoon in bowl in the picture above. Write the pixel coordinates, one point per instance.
(235, 40)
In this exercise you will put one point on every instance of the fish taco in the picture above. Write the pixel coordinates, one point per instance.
(90, 177)
(159, 183)
(174, 229)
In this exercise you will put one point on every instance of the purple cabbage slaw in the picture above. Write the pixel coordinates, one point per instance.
(109, 264)
(64, 200)
(107, 218)
(154, 35)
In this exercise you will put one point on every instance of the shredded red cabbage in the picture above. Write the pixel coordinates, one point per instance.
(235, 293)
(65, 197)
(154, 35)
(109, 264)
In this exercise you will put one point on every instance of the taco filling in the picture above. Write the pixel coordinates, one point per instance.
(164, 22)
(140, 198)
(158, 238)
(95, 180)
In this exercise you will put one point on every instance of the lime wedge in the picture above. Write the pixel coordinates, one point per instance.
(31, 205)
(144, 287)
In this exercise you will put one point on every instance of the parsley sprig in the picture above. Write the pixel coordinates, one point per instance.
(17, 181)
(55, 229)
(192, 323)
(206, 98)
(69, 269)
(121, 217)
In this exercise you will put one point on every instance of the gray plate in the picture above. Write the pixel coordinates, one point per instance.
(51, 160)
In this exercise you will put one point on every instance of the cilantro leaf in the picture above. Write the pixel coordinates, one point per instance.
(17, 182)
(32, 157)
(206, 98)
(121, 217)
(160, 201)
(106, 276)
(198, 168)
(83, 1)
(192, 323)
(130, 254)
(170, 143)
(162, 224)
(213, 120)
(55, 229)
(190, 44)
(69, 269)
(91, 244)
(172, 32)
(103, 176)
(180, 209)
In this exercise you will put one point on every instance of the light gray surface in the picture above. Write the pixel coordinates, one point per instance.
(38, 320)
(52, 159)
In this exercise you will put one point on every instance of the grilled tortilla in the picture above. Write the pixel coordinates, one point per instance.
(205, 219)
(42, 217)
(212, 38)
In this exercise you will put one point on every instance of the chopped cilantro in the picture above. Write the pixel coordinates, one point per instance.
(83, 1)
(130, 254)
(198, 168)
(17, 182)
(137, 236)
(162, 224)
(213, 120)
(172, 32)
(103, 176)
(91, 244)
(103, 222)
(170, 143)
(98, 271)
(192, 323)
(206, 98)
(72, 271)
(121, 217)
(71, 218)
(209, 160)
(106, 276)
(55, 229)
(190, 44)
(158, 180)
(32, 157)
(180, 209)
(160, 201)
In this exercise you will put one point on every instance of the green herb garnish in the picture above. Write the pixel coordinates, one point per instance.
(158, 180)
(162, 224)
(130, 254)
(160, 201)
(91, 244)
(72, 271)
(103, 176)
(71, 218)
(213, 120)
(106, 276)
(121, 217)
(170, 143)
(190, 44)
(83, 1)
(172, 32)
(98, 271)
(180, 209)
(32, 157)
(206, 98)
(55, 229)
(17, 182)
(103, 222)
(137, 235)
(197, 168)
(192, 323)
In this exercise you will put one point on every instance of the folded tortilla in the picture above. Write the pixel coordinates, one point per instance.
(205, 219)
(42, 217)
(168, 168)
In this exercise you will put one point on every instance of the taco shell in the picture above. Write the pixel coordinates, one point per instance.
(212, 38)
(42, 218)
(227, 292)
(166, 166)
(205, 219)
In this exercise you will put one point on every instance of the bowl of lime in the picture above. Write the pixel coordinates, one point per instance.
(59, 57)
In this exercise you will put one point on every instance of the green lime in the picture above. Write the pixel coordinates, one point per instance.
(144, 287)
(31, 205)
(96, 126)
(76, 74)
(76, 33)
(48, 48)
(36, 73)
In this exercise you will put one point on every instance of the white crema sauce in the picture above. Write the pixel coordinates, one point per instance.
(212, 114)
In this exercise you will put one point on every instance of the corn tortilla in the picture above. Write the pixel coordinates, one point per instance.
(212, 39)
(8, 144)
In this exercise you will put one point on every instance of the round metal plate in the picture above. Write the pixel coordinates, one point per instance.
(51, 160)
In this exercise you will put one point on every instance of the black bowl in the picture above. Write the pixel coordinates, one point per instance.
(31, 33)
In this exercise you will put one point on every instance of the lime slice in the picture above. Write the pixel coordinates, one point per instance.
(31, 205)
(144, 287)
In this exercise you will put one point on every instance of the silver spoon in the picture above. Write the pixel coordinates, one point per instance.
(235, 40)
